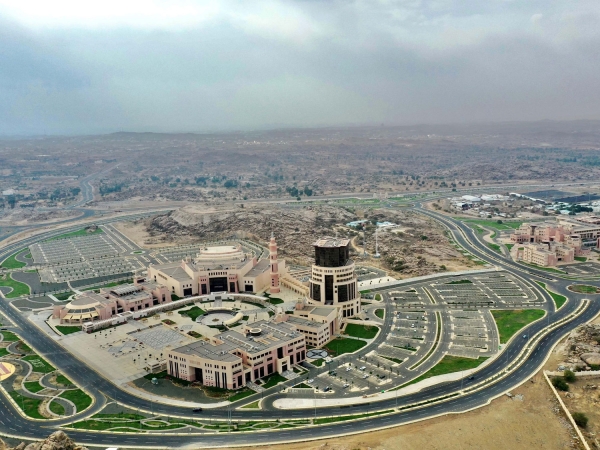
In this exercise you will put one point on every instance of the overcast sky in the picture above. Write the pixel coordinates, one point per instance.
(67, 66)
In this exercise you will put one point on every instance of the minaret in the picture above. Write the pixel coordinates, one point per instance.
(274, 266)
(376, 255)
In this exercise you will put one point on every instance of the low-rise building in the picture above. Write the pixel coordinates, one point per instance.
(91, 306)
(231, 359)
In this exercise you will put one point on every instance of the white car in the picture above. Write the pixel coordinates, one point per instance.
(362, 368)
(312, 380)
(348, 369)
(366, 375)
(346, 385)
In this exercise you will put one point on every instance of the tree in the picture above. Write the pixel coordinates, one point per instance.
(580, 419)
(569, 376)
(560, 384)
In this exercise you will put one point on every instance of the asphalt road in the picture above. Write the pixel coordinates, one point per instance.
(12, 423)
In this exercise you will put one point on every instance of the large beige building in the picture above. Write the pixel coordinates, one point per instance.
(225, 268)
(231, 359)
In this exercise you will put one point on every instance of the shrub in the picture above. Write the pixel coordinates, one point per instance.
(569, 376)
(560, 384)
(580, 419)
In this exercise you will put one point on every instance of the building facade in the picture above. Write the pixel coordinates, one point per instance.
(90, 306)
(231, 359)
(333, 281)
(221, 269)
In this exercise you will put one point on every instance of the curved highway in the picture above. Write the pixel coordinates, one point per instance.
(12, 423)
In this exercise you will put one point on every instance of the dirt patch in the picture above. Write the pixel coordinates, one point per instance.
(534, 421)
(584, 397)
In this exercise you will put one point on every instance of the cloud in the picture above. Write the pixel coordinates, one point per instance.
(69, 67)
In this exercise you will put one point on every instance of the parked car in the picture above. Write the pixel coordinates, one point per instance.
(197, 410)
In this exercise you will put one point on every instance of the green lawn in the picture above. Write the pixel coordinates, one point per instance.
(18, 287)
(274, 301)
(33, 386)
(12, 263)
(493, 224)
(3, 352)
(449, 364)
(318, 362)
(495, 247)
(8, 336)
(39, 364)
(510, 322)
(581, 258)
(509, 246)
(253, 405)
(380, 313)
(584, 289)
(377, 297)
(63, 381)
(79, 398)
(30, 406)
(273, 380)
(65, 329)
(193, 312)
(559, 300)
(241, 394)
(64, 295)
(340, 346)
(57, 408)
(77, 233)
(361, 331)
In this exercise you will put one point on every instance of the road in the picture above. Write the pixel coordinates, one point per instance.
(12, 423)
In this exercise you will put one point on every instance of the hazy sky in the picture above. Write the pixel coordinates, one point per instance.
(73, 66)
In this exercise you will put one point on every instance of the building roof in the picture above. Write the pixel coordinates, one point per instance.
(262, 266)
(301, 321)
(209, 350)
(173, 270)
(332, 242)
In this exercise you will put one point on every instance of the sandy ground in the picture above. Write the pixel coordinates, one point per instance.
(530, 423)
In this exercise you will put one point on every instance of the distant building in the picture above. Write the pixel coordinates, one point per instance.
(92, 306)
(565, 240)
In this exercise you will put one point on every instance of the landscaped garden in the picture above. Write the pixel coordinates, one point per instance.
(449, 364)
(193, 313)
(340, 346)
(12, 263)
(18, 288)
(584, 289)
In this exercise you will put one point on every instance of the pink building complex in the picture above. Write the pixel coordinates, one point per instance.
(231, 359)
(548, 244)
(108, 303)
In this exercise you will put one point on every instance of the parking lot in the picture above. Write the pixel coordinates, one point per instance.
(582, 269)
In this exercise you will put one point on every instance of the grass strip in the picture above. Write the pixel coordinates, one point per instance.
(65, 329)
(8, 336)
(193, 313)
(510, 322)
(18, 288)
(380, 313)
(559, 300)
(448, 364)
(82, 232)
(324, 420)
(33, 386)
(81, 400)
(240, 395)
(30, 406)
(12, 263)
(57, 408)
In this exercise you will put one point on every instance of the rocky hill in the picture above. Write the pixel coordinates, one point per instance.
(56, 441)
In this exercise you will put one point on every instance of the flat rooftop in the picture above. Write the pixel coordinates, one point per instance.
(332, 242)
